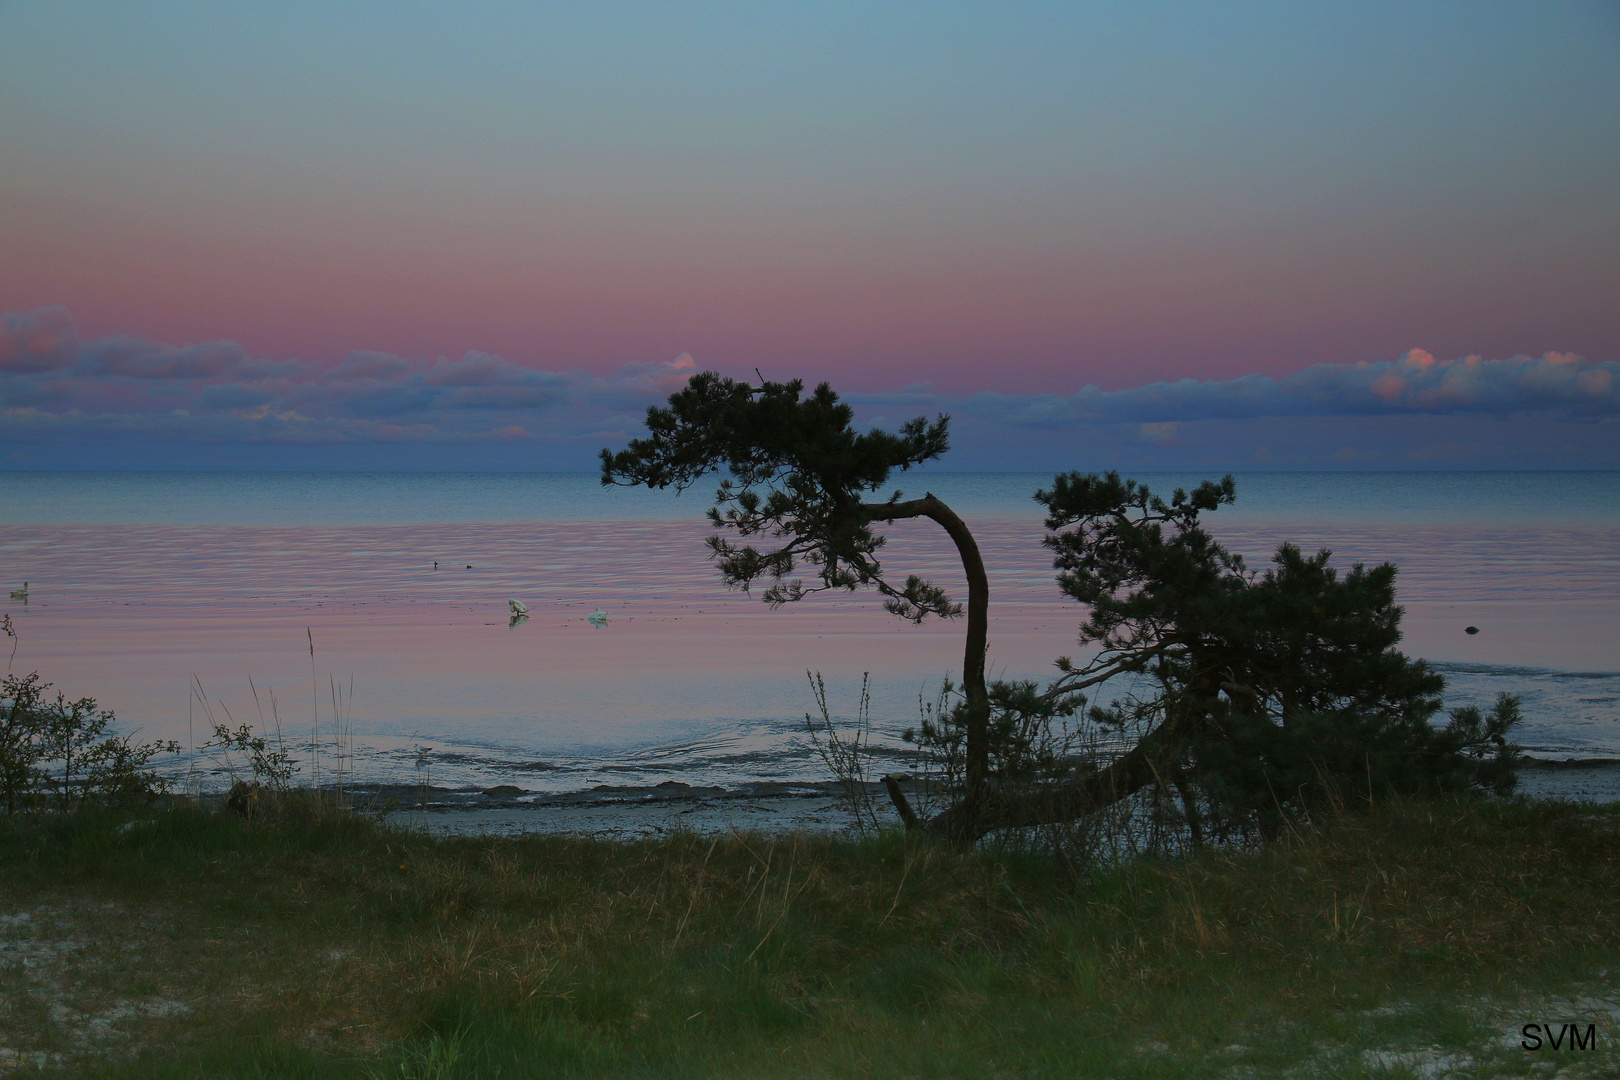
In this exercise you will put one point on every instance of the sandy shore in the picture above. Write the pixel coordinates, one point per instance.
(634, 813)
(639, 819)
(1595, 779)
(631, 812)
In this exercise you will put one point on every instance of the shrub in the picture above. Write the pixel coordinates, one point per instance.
(57, 753)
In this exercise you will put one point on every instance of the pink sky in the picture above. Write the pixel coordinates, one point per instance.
(952, 309)
(1021, 201)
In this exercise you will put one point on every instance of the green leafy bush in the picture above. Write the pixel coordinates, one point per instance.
(57, 754)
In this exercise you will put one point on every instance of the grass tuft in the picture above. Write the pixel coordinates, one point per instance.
(187, 943)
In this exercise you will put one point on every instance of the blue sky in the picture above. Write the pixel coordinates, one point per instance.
(1083, 230)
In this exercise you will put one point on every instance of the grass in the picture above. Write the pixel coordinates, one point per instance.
(1397, 943)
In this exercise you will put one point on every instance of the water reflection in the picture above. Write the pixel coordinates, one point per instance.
(685, 676)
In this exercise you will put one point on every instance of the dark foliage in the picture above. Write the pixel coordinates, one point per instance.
(1251, 694)
(57, 753)
(1266, 692)
(1029, 742)
(798, 474)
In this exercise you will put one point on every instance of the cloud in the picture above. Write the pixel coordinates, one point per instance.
(1553, 385)
(234, 396)
(56, 385)
(46, 342)
(484, 369)
(55, 382)
(371, 365)
(36, 341)
(1161, 434)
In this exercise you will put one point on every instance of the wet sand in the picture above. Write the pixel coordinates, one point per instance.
(626, 812)
(643, 819)
(639, 813)
(1594, 779)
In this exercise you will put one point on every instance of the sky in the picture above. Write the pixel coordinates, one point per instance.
(481, 235)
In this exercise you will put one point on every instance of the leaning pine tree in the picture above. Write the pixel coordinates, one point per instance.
(1252, 695)
(800, 479)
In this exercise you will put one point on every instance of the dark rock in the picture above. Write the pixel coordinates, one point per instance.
(244, 798)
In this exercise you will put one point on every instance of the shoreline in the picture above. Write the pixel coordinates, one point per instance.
(629, 812)
(621, 812)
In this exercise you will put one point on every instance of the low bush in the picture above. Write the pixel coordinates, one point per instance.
(57, 753)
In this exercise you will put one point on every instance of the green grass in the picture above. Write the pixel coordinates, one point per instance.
(313, 948)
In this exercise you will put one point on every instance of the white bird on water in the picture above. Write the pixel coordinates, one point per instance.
(597, 618)
(20, 594)
(518, 607)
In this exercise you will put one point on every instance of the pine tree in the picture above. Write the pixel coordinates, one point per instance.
(797, 496)
(1266, 692)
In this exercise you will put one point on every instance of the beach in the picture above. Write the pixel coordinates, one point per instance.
(633, 813)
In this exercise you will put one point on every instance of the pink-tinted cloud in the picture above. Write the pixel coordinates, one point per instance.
(56, 384)
(1555, 384)
(54, 381)
(36, 341)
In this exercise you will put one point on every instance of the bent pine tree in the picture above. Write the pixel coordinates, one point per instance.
(1257, 694)
(1267, 691)
(800, 479)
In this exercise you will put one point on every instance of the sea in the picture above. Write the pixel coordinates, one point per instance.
(362, 621)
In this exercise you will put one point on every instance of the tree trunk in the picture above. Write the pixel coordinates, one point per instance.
(1064, 802)
(978, 632)
(982, 809)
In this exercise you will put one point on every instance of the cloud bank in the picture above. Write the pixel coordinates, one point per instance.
(57, 386)
(1554, 385)
(53, 382)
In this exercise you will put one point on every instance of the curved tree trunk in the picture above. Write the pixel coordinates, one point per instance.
(1064, 802)
(973, 654)
(982, 808)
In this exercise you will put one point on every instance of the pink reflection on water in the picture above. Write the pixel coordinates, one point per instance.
(130, 614)
(133, 613)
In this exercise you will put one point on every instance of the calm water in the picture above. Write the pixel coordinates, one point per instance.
(218, 498)
(145, 586)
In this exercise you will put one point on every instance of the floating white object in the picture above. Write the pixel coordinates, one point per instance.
(20, 594)
(520, 614)
(597, 618)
